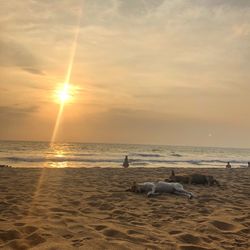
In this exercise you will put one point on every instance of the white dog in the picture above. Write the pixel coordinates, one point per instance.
(160, 187)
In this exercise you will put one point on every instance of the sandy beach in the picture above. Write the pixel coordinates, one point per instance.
(89, 209)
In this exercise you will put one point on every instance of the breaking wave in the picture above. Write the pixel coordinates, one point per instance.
(135, 161)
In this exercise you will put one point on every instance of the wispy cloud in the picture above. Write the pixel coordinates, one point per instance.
(14, 54)
(17, 111)
(33, 71)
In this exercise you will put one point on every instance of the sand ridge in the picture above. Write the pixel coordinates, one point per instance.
(89, 209)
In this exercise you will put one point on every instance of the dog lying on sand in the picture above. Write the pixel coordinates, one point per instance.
(193, 179)
(160, 187)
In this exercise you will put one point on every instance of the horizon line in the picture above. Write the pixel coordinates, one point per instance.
(121, 143)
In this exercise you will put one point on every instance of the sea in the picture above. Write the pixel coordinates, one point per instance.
(23, 154)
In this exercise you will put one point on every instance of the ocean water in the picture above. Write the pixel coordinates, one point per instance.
(60, 155)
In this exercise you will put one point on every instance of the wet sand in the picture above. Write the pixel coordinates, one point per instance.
(89, 209)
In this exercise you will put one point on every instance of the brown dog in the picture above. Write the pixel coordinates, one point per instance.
(193, 179)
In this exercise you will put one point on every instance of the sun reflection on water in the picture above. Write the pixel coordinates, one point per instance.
(57, 156)
(63, 164)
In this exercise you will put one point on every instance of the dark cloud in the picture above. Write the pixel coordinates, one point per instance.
(33, 71)
(15, 111)
(14, 54)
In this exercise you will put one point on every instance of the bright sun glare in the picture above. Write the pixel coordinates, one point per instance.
(63, 94)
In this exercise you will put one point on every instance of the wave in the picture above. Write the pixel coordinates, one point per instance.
(134, 161)
(176, 155)
(75, 154)
(149, 155)
(57, 159)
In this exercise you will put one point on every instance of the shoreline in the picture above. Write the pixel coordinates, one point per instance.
(79, 208)
(130, 167)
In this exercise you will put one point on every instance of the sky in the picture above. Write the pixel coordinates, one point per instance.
(172, 72)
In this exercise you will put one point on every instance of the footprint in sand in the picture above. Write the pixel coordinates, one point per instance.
(214, 238)
(85, 210)
(137, 223)
(174, 232)
(242, 218)
(204, 211)
(106, 206)
(245, 231)
(223, 226)
(79, 242)
(193, 247)
(133, 232)
(157, 225)
(16, 244)
(189, 238)
(28, 229)
(75, 203)
(114, 233)
(100, 227)
(35, 239)
(68, 236)
(19, 224)
(9, 235)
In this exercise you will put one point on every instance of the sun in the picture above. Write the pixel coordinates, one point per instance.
(64, 94)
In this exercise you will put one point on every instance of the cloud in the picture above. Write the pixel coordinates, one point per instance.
(16, 112)
(33, 71)
(14, 54)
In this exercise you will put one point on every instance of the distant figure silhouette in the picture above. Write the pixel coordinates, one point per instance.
(125, 162)
(248, 164)
(228, 165)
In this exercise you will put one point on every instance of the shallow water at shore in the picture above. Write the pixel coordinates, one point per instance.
(60, 155)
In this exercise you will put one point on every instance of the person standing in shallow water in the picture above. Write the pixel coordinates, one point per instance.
(125, 162)
(228, 165)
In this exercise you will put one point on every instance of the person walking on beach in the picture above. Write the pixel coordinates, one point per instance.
(228, 165)
(125, 162)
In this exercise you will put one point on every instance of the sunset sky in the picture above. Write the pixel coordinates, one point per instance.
(144, 71)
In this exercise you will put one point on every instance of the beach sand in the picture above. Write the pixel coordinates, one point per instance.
(89, 209)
